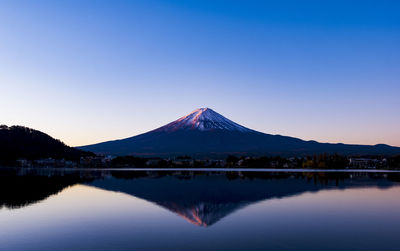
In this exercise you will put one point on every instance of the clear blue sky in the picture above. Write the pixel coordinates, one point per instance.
(90, 71)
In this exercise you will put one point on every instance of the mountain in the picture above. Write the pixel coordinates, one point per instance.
(22, 142)
(206, 133)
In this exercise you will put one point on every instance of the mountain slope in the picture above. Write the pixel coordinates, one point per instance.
(205, 133)
(22, 142)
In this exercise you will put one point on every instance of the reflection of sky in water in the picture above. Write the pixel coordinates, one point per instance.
(82, 217)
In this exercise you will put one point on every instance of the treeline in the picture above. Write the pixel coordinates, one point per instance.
(178, 162)
(322, 161)
(18, 142)
(263, 162)
(394, 162)
(317, 161)
(326, 161)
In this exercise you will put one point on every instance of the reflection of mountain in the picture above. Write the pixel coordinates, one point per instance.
(204, 199)
(202, 213)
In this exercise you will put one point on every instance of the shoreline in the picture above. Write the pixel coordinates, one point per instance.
(292, 170)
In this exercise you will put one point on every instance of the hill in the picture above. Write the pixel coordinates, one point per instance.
(21, 142)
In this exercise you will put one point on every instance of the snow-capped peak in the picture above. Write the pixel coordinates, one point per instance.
(203, 119)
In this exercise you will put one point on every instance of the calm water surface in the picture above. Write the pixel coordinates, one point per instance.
(143, 210)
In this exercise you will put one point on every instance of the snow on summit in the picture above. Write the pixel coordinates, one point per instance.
(203, 119)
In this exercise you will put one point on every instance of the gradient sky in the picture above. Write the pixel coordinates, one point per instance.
(90, 71)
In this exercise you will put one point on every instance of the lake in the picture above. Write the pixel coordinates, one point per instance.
(198, 210)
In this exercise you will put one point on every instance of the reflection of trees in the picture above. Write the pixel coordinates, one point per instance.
(19, 191)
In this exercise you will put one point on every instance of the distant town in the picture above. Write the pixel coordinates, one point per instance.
(323, 161)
